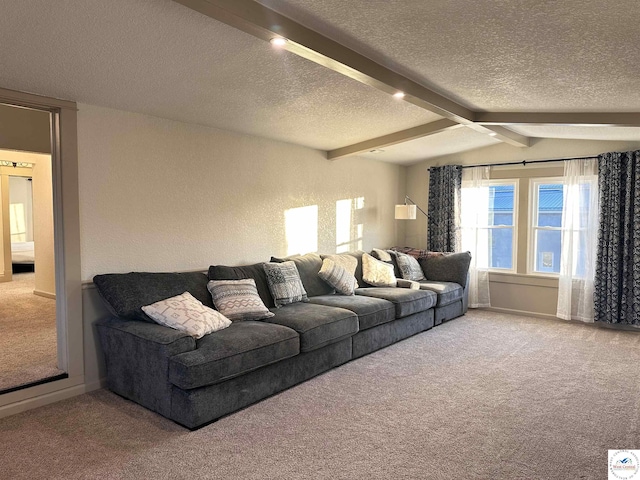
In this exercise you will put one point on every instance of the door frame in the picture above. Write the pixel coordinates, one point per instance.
(66, 219)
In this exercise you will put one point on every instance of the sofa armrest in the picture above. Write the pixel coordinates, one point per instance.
(137, 360)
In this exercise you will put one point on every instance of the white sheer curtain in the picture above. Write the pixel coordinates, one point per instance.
(580, 212)
(474, 218)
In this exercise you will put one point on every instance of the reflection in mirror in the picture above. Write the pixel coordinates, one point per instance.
(28, 337)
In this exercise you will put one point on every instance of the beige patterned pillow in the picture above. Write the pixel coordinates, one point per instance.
(186, 313)
(346, 261)
(376, 272)
(238, 299)
(338, 277)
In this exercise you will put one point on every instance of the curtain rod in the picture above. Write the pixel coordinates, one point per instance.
(523, 162)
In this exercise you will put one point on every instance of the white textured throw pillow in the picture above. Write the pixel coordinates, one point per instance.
(338, 277)
(188, 314)
(376, 272)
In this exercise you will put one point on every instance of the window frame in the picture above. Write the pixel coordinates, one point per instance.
(514, 182)
(534, 183)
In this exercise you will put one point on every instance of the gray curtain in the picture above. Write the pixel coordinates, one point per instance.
(617, 281)
(444, 208)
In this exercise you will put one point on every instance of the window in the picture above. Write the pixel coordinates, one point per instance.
(488, 223)
(548, 197)
(546, 228)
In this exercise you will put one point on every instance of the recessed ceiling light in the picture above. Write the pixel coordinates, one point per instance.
(376, 150)
(493, 134)
(278, 41)
(399, 94)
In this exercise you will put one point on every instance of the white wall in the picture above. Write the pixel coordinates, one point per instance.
(20, 192)
(510, 292)
(159, 195)
(24, 129)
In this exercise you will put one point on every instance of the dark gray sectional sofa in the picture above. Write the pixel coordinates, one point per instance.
(194, 382)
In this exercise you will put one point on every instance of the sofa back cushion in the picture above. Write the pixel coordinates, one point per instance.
(447, 267)
(126, 293)
(308, 266)
(255, 271)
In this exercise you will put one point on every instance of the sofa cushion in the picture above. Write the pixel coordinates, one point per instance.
(126, 293)
(187, 314)
(284, 283)
(308, 266)
(371, 311)
(407, 301)
(448, 292)
(238, 300)
(450, 267)
(238, 349)
(255, 271)
(317, 325)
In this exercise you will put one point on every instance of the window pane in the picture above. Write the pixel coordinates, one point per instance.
(548, 247)
(501, 241)
(550, 197)
(501, 204)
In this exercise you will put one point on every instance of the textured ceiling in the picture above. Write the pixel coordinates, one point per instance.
(161, 58)
(443, 143)
(500, 55)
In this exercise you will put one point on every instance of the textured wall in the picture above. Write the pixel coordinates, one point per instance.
(160, 195)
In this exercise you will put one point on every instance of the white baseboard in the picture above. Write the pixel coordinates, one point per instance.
(44, 294)
(46, 399)
(522, 312)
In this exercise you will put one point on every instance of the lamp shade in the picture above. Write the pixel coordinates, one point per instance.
(405, 212)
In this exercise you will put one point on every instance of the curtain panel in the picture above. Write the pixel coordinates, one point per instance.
(444, 208)
(617, 280)
(475, 233)
(580, 215)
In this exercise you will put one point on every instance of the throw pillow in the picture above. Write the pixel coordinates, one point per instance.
(409, 267)
(450, 267)
(186, 313)
(338, 277)
(381, 255)
(284, 283)
(238, 299)
(308, 266)
(376, 272)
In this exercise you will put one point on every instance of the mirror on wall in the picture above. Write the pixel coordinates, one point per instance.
(28, 333)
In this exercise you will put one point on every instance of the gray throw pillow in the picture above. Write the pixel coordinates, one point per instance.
(238, 299)
(255, 271)
(447, 267)
(409, 267)
(338, 276)
(284, 283)
(308, 266)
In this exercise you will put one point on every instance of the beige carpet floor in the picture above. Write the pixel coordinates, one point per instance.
(28, 344)
(485, 396)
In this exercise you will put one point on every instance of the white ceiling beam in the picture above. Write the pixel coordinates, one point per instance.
(394, 138)
(611, 119)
